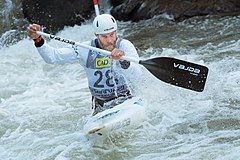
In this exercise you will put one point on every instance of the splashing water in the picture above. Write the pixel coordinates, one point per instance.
(43, 107)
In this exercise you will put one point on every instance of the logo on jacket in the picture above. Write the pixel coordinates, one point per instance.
(103, 62)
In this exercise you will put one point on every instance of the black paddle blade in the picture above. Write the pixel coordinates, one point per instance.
(177, 72)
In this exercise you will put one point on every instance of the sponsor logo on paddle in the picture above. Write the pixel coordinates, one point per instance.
(62, 40)
(192, 70)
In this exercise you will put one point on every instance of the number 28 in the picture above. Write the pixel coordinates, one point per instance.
(100, 78)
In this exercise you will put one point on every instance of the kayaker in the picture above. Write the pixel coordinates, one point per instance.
(106, 74)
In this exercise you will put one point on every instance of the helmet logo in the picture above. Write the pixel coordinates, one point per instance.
(109, 29)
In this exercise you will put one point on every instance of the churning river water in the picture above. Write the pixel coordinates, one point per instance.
(43, 107)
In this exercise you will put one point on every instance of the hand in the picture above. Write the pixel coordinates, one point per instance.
(117, 54)
(31, 31)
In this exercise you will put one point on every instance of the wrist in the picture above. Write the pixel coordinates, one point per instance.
(125, 64)
(39, 41)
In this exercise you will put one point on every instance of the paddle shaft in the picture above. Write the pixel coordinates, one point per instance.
(84, 46)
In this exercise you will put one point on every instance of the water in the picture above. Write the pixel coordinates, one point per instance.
(43, 107)
(12, 22)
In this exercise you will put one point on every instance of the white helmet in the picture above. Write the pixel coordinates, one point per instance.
(104, 23)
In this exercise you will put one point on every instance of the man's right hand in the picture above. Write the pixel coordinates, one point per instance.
(31, 31)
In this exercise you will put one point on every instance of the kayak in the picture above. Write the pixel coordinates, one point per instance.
(128, 114)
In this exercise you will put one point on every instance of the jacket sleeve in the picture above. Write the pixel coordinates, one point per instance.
(128, 48)
(58, 56)
(130, 51)
(134, 70)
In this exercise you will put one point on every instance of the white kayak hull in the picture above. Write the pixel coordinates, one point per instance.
(129, 114)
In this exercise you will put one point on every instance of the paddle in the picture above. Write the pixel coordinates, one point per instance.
(170, 70)
(177, 72)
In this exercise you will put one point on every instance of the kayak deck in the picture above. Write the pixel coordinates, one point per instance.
(129, 114)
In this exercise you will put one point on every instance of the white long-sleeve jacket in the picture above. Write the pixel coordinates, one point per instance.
(106, 77)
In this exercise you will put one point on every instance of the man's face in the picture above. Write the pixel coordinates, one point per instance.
(107, 41)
